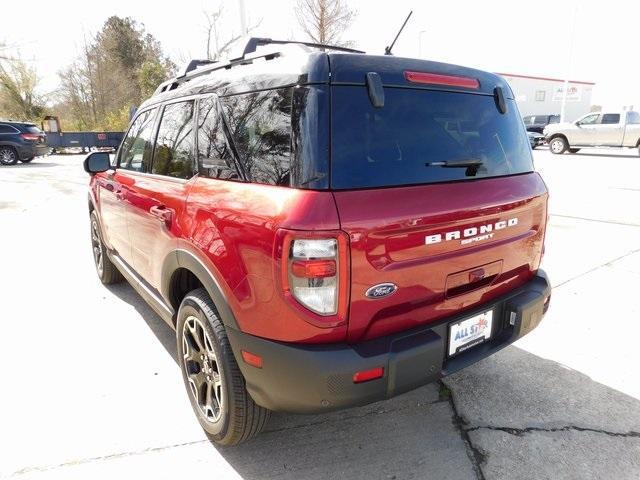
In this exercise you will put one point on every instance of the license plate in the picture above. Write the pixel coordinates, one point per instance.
(470, 332)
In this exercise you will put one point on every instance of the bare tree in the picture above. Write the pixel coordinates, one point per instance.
(219, 44)
(324, 21)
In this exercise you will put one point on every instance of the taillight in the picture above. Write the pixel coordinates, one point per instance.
(439, 79)
(315, 274)
(30, 136)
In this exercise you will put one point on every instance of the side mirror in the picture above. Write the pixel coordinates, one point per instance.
(97, 162)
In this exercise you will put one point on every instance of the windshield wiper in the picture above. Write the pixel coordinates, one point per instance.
(456, 163)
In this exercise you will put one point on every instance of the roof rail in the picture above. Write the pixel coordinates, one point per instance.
(193, 64)
(254, 42)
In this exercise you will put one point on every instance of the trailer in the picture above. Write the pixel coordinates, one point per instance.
(57, 139)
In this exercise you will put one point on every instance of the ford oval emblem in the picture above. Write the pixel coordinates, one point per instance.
(381, 290)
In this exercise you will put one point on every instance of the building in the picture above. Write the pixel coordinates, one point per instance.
(543, 96)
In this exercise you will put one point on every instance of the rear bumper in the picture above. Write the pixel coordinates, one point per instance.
(34, 150)
(318, 378)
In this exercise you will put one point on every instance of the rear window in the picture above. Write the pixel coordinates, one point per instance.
(541, 119)
(33, 129)
(417, 133)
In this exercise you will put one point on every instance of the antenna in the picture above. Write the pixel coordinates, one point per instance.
(387, 50)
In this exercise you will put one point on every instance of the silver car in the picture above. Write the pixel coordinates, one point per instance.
(595, 130)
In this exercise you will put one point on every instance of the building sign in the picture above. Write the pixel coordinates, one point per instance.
(574, 93)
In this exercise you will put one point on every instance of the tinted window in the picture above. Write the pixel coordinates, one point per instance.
(214, 156)
(406, 141)
(609, 118)
(633, 118)
(7, 129)
(260, 124)
(32, 129)
(173, 155)
(137, 146)
(541, 119)
(590, 119)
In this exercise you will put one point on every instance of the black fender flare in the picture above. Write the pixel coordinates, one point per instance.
(181, 258)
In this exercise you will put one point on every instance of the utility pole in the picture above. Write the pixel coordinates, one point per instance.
(243, 18)
(565, 88)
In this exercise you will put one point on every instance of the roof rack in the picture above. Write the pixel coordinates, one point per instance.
(254, 42)
(196, 68)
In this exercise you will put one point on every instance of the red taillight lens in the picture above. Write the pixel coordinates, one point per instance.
(252, 359)
(315, 274)
(438, 79)
(30, 136)
(314, 268)
(366, 375)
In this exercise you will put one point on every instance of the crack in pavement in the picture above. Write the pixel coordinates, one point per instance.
(475, 454)
(519, 432)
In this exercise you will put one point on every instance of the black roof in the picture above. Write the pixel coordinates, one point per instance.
(296, 66)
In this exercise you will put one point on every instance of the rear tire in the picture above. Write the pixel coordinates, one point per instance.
(558, 145)
(8, 156)
(574, 150)
(214, 383)
(108, 273)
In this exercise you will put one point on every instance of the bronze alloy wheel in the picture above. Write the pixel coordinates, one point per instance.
(203, 370)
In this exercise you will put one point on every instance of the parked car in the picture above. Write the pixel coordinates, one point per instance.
(536, 123)
(21, 141)
(535, 139)
(595, 130)
(323, 228)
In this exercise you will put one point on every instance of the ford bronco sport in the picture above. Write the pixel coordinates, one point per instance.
(323, 228)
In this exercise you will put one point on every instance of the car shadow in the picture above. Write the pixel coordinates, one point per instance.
(608, 155)
(424, 433)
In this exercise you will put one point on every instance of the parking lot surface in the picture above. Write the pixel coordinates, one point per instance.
(90, 387)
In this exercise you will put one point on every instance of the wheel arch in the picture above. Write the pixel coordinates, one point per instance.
(556, 135)
(182, 272)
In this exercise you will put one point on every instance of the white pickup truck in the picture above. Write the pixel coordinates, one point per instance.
(595, 130)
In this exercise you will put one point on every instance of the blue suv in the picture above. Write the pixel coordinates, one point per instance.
(21, 141)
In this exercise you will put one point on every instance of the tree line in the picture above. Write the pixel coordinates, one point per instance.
(122, 64)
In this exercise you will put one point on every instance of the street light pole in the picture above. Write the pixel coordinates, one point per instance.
(565, 88)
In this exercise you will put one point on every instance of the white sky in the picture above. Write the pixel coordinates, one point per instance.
(516, 36)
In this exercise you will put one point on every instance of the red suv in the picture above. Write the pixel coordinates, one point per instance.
(324, 228)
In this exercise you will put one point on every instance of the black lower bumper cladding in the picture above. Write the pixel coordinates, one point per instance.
(318, 378)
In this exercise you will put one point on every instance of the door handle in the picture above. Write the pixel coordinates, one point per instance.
(162, 213)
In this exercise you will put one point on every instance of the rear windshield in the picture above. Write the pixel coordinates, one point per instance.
(32, 129)
(418, 136)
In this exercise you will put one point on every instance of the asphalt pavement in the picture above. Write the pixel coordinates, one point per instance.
(90, 387)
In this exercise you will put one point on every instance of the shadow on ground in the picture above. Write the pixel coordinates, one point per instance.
(513, 415)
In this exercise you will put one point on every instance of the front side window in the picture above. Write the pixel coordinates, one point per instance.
(610, 118)
(590, 119)
(173, 155)
(137, 146)
(214, 156)
(260, 125)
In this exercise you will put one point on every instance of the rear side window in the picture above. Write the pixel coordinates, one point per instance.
(610, 118)
(541, 119)
(260, 125)
(419, 135)
(137, 146)
(7, 129)
(173, 155)
(214, 156)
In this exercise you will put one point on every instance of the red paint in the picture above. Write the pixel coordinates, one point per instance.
(242, 233)
(438, 79)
